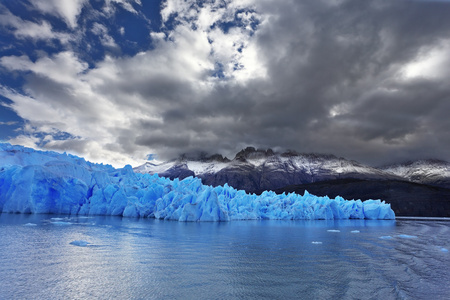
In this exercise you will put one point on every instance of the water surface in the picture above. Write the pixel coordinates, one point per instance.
(61, 257)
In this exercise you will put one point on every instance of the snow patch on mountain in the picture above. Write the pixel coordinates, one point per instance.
(154, 167)
(199, 167)
(428, 171)
(420, 168)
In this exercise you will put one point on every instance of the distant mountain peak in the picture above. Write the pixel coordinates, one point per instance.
(203, 157)
(417, 163)
(289, 153)
(251, 152)
(426, 171)
(429, 161)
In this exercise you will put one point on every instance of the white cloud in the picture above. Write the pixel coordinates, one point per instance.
(25, 140)
(68, 10)
(126, 4)
(431, 63)
(234, 50)
(209, 14)
(62, 68)
(97, 104)
(105, 38)
(8, 123)
(36, 31)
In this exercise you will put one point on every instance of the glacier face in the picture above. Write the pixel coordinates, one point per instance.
(47, 182)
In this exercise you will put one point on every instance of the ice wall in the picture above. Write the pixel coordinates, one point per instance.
(47, 182)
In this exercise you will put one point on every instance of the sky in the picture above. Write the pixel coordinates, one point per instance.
(115, 81)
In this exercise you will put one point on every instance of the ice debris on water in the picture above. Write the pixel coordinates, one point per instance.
(316, 243)
(61, 223)
(80, 243)
(444, 250)
(407, 236)
(34, 181)
(333, 230)
(355, 231)
(30, 224)
(386, 237)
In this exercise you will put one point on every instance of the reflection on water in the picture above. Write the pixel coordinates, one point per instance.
(54, 257)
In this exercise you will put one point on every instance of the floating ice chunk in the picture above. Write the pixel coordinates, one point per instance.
(386, 237)
(406, 236)
(61, 223)
(80, 243)
(316, 243)
(30, 224)
(333, 230)
(377, 209)
(56, 219)
(444, 250)
(355, 231)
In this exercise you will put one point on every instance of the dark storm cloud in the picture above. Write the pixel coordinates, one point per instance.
(320, 56)
(73, 146)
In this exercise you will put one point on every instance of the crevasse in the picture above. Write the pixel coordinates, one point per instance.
(34, 181)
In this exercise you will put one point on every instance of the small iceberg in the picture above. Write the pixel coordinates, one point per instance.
(355, 231)
(316, 243)
(333, 230)
(406, 236)
(80, 243)
(444, 250)
(30, 224)
(56, 219)
(386, 237)
(61, 223)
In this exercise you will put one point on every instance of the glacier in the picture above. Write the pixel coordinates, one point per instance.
(33, 181)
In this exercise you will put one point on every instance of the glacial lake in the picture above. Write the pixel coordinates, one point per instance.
(64, 257)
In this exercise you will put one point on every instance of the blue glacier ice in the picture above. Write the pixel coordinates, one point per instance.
(34, 181)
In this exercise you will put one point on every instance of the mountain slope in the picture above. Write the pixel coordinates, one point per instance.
(430, 171)
(258, 170)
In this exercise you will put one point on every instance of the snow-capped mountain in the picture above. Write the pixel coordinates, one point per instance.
(258, 170)
(430, 171)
